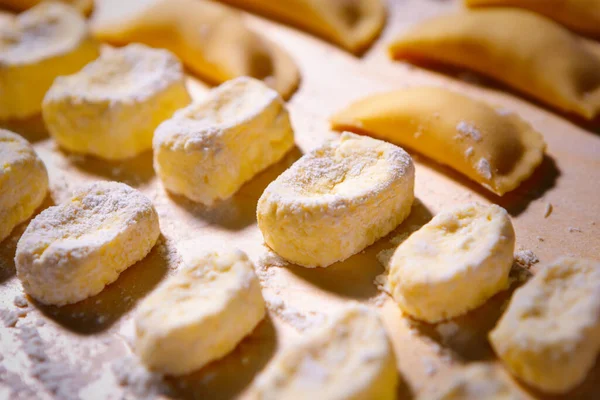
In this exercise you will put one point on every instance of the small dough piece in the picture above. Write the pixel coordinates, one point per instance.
(550, 334)
(211, 39)
(582, 16)
(71, 251)
(454, 263)
(208, 150)
(477, 382)
(350, 358)
(111, 107)
(350, 24)
(200, 314)
(84, 6)
(549, 63)
(49, 40)
(346, 194)
(497, 149)
(23, 181)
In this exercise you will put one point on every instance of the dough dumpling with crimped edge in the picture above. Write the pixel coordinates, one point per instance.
(211, 39)
(23, 181)
(493, 147)
(111, 107)
(336, 200)
(36, 46)
(524, 50)
(71, 251)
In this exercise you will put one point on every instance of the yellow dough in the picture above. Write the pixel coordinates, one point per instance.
(350, 24)
(337, 200)
(111, 107)
(495, 148)
(23, 181)
(348, 359)
(208, 150)
(476, 382)
(582, 16)
(549, 62)
(49, 40)
(211, 39)
(454, 263)
(84, 6)
(71, 251)
(200, 314)
(550, 334)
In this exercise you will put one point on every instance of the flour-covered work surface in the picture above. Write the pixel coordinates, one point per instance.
(176, 265)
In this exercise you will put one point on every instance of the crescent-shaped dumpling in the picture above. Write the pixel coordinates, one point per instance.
(495, 148)
(519, 48)
(212, 40)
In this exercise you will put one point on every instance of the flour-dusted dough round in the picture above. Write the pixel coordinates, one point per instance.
(23, 181)
(111, 107)
(476, 382)
(454, 263)
(49, 40)
(337, 200)
(200, 314)
(208, 150)
(71, 251)
(550, 334)
(351, 358)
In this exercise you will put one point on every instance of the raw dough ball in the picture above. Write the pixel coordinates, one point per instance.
(112, 106)
(200, 314)
(208, 150)
(71, 251)
(550, 334)
(337, 200)
(23, 181)
(49, 40)
(349, 359)
(454, 263)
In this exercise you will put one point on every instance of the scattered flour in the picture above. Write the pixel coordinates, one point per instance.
(469, 152)
(468, 129)
(429, 366)
(137, 380)
(20, 301)
(300, 321)
(9, 318)
(574, 229)
(484, 169)
(447, 330)
(526, 258)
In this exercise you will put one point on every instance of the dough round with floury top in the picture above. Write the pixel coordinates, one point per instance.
(36, 46)
(111, 107)
(71, 251)
(208, 150)
(23, 181)
(200, 314)
(337, 200)
(349, 358)
(454, 263)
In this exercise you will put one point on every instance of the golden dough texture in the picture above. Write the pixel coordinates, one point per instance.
(36, 46)
(208, 150)
(111, 107)
(211, 39)
(23, 181)
(350, 24)
(581, 16)
(549, 63)
(84, 6)
(454, 263)
(549, 336)
(350, 358)
(347, 193)
(200, 314)
(493, 147)
(71, 251)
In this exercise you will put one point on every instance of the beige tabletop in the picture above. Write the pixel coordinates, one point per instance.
(82, 350)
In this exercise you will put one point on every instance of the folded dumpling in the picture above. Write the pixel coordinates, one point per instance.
(582, 16)
(352, 24)
(522, 49)
(493, 147)
(212, 40)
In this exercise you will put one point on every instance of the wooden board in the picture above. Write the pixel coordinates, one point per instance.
(82, 351)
